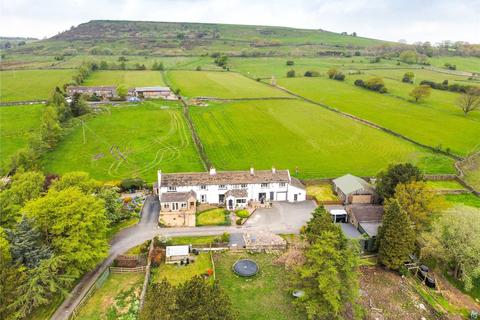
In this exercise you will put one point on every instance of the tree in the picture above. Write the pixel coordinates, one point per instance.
(396, 237)
(41, 285)
(25, 186)
(388, 180)
(332, 72)
(113, 204)
(469, 101)
(26, 246)
(291, 73)
(74, 225)
(78, 105)
(198, 299)
(409, 56)
(221, 60)
(455, 241)
(408, 77)
(50, 129)
(122, 91)
(418, 201)
(11, 277)
(58, 102)
(4, 246)
(159, 302)
(421, 92)
(290, 62)
(77, 179)
(328, 276)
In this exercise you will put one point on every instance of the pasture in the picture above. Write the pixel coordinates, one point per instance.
(129, 78)
(17, 124)
(310, 141)
(128, 141)
(220, 84)
(23, 85)
(470, 64)
(436, 122)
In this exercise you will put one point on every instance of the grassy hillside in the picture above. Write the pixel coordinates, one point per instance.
(172, 38)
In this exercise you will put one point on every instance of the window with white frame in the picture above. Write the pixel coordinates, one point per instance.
(184, 204)
(235, 186)
(222, 187)
(172, 189)
(282, 184)
(166, 205)
(241, 200)
(203, 187)
(203, 198)
(264, 185)
(244, 186)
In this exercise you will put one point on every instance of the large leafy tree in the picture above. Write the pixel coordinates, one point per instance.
(25, 186)
(455, 241)
(388, 180)
(11, 277)
(159, 302)
(74, 225)
(396, 237)
(328, 276)
(418, 201)
(57, 100)
(50, 130)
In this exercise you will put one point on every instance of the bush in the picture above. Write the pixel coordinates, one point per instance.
(373, 83)
(198, 68)
(132, 184)
(312, 74)
(445, 86)
(239, 221)
(408, 77)
(339, 76)
(291, 74)
(290, 63)
(359, 82)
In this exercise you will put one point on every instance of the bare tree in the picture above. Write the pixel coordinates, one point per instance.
(469, 101)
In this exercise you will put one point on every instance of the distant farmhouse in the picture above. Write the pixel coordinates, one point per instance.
(351, 189)
(179, 192)
(104, 92)
(108, 92)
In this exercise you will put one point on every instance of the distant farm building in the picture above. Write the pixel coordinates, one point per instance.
(154, 93)
(351, 189)
(99, 91)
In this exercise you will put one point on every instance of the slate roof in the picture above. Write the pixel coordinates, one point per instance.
(366, 213)
(350, 183)
(177, 196)
(370, 228)
(224, 177)
(91, 88)
(297, 183)
(237, 193)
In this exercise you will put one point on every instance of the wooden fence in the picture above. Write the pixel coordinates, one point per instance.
(127, 270)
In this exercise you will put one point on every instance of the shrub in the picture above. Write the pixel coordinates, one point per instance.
(291, 74)
(339, 76)
(332, 72)
(408, 77)
(239, 221)
(290, 63)
(359, 82)
(198, 68)
(373, 83)
(311, 73)
(132, 184)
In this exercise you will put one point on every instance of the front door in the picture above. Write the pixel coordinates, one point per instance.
(221, 198)
(295, 197)
(262, 196)
(230, 204)
(272, 195)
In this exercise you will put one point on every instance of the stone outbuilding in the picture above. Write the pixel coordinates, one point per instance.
(351, 189)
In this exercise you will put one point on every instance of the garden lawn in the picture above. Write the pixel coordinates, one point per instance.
(177, 274)
(307, 139)
(24, 85)
(432, 124)
(128, 141)
(321, 192)
(17, 124)
(263, 296)
(213, 217)
(220, 85)
(130, 78)
(99, 305)
(193, 240)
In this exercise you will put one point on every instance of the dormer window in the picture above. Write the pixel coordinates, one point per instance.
(172, 189)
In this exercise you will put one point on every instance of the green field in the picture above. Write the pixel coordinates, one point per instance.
(440, 185)
(24, 85)
(471, 168)
(263, 296)
(220, 84)
(298, 135)
(17, 124)
(470, 64)
(441, 124)
(128, 141)
(129, 78)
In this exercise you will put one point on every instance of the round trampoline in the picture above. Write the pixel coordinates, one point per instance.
(245, 268)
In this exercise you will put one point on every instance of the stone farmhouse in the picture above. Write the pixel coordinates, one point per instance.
(179, 192)
(154, 93)
(100, 91)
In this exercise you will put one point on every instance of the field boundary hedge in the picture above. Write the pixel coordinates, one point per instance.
(17, 103)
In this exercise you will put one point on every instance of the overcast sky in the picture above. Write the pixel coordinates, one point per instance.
(412, 20)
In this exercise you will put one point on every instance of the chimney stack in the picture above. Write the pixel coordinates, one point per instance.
(213, 171)
(252, 172)
(273, 170)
